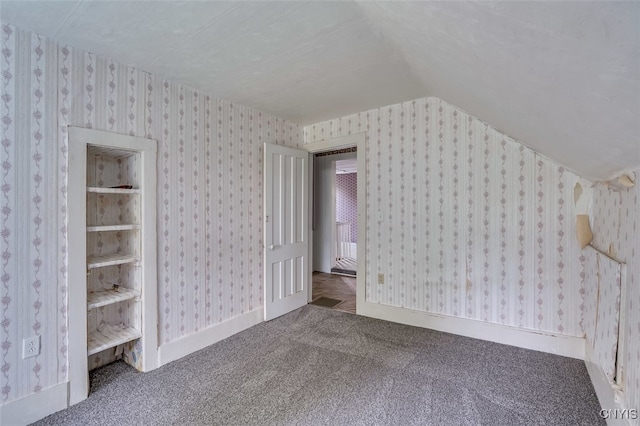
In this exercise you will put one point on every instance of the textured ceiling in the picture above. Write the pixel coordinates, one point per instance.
(561, 77)
(303, 61)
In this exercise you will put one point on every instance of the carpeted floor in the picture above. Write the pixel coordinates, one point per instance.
(318, 366)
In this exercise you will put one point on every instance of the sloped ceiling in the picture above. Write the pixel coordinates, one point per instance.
(563, 78)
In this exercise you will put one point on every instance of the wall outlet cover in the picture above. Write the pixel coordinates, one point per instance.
(30, 347)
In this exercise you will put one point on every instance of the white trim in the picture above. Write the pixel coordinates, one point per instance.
(361, 274)
(36, 406)
(622, 327)
(194, 342)
(77, 245)
(529, 339)
(333, 249)
(608, 396)
(324, 210)
(51, 400)
(337, 143)
(78, 139)
(310, 207)
(150, 308)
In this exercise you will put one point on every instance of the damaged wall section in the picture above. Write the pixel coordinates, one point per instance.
(616, 232)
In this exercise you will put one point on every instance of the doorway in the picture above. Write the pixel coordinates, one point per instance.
(309, 221)
(335, 226)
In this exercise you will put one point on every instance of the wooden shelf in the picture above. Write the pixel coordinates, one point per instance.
(100, 190)
(107, 297)
(106, 228)
(110, 260)
(110, 336)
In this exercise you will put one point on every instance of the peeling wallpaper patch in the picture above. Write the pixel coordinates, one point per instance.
(616, 228)
(602, 279)
(209, 196)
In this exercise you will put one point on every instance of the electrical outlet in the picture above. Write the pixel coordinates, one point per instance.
(380, 278)
(30, 347)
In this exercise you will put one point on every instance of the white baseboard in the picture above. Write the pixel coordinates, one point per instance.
(608, 396)
(51, 400)
(194, 342)
(529, 339)
(36, 406)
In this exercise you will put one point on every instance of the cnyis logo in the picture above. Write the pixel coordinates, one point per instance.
(619, 414)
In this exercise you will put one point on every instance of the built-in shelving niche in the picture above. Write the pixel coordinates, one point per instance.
(114, 322)
(112, 253)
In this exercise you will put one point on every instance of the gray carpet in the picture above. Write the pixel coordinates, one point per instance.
(317, 366)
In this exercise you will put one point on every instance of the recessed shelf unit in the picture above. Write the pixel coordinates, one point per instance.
(112, 255)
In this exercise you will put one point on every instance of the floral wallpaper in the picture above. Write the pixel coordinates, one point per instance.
(464, 220)
(472, 223)
(347, 201)
(616, 230)
(209, 196)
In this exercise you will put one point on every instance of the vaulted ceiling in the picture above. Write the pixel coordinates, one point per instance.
(561, 77)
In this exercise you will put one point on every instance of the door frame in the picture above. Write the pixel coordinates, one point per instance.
(325, 213)
(354, 140)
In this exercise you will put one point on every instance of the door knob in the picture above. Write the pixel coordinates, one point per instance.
(271, 247)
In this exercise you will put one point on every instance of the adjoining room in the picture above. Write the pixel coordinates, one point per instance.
(335, 229)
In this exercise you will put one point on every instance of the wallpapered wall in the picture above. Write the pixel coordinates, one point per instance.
(471, 224)
(602, 279)
(209, 196)
(347, 201)
(616, 225)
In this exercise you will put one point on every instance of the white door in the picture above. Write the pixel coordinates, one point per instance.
(286, 251)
